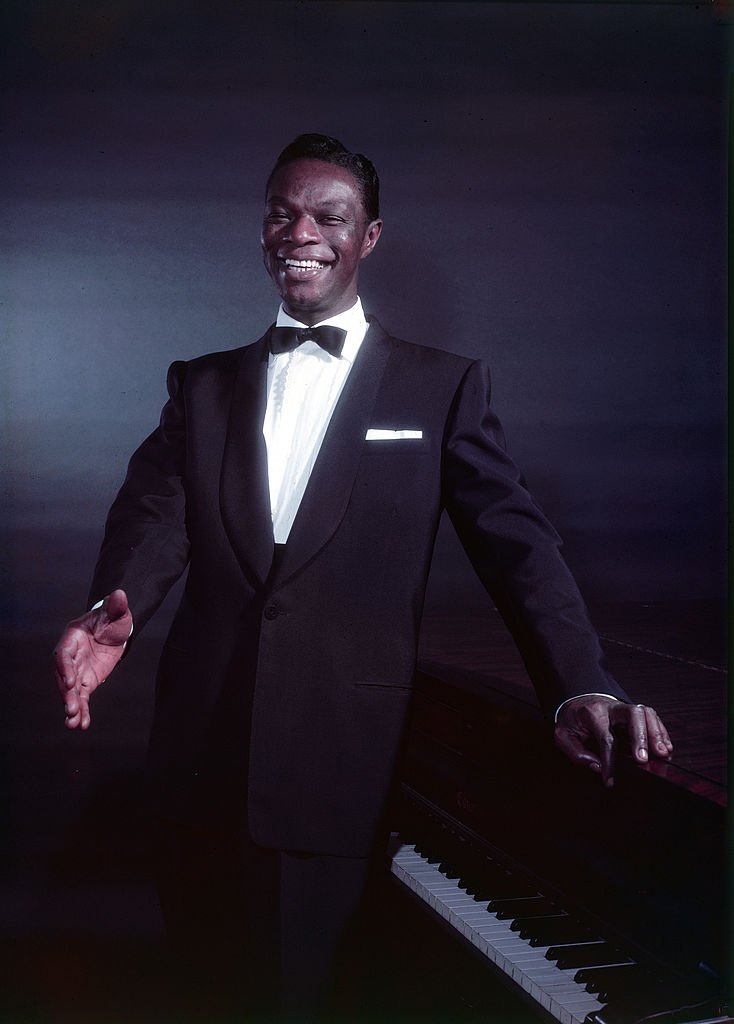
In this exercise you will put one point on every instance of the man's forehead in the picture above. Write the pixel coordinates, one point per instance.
(318, 178)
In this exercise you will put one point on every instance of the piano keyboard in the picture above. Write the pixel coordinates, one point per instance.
(552, 988)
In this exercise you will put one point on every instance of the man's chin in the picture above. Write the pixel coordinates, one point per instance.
(302, 306)
(309, 304)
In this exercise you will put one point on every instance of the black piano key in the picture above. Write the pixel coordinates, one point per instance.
(520, 923)
(529, 906)
(469, 884)
(474, 869)
(457, 854)
(587, 954)
(475, 858)
(497, 887)
(450, 851)
(484, 879)
(429, 849)
(608, 976)
(642, 985)
(547, 931)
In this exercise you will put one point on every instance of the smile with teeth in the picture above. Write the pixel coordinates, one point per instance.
(305, 264)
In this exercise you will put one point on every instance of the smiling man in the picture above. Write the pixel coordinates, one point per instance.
(320, 222)
(301, 480)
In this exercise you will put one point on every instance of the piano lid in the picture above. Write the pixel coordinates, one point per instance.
(669, 655)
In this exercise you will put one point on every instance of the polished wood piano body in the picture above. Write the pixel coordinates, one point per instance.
(640, 868)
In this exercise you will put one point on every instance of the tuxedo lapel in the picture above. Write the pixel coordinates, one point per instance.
(332, 478)
(244, 495)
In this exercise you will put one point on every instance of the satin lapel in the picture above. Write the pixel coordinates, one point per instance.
(332, 478)
(244, 496)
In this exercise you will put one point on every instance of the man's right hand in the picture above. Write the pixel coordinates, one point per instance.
(87, 652)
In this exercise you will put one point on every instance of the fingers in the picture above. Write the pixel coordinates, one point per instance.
(67, 680)
(73, 717)
(75, 678)
(593, 748)
(647, 735)
(656, 740)
(633, 716)
(81, 718)
(660, 742)
(572, 746)
(607, 752)
(76, 703)
(76, 706)
(64, 661)
(584, 734)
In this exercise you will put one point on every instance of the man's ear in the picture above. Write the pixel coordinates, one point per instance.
(371, 235)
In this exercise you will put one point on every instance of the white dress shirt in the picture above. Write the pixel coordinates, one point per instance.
(303, 388)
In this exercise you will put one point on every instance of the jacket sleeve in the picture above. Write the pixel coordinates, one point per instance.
(517, 553)
(146, 546)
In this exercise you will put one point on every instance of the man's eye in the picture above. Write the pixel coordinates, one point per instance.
(331, 220)
(275, 216)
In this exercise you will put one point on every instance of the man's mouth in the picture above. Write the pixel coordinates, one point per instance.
(302, 265)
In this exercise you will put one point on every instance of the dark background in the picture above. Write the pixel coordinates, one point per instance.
(554, 190)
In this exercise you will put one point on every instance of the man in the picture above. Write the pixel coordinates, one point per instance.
(301, 479)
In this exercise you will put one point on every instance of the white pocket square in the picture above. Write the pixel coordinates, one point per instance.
(393, 435)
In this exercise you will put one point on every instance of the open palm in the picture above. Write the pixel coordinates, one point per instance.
(87, 652)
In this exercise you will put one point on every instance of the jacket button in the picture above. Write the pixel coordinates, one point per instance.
(271, 612)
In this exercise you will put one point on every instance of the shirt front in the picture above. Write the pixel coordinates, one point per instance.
(304, 386)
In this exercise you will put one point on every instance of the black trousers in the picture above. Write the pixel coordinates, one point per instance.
(262, 935)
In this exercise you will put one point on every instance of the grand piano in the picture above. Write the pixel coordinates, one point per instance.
(597, 906)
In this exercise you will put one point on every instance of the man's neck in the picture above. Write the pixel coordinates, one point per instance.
(348, 319)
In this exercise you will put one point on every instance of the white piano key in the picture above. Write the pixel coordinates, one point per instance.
(555, 990)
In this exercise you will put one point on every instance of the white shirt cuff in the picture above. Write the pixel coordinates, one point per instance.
(568, 701)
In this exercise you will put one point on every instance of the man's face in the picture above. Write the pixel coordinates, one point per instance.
(315, 233)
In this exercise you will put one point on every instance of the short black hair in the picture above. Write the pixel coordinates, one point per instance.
(313, 146)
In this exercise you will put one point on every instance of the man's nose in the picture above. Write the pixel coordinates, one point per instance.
(303, 229)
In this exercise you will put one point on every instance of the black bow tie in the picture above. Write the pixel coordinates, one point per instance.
(285, 339)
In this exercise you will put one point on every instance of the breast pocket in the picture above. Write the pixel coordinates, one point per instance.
(398, 446)
(381, 687)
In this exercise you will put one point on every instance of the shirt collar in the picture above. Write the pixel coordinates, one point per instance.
(352, 321)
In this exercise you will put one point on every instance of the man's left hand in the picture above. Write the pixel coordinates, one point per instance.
(584, 732)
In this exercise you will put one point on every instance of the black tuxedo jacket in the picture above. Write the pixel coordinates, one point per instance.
(283, 692)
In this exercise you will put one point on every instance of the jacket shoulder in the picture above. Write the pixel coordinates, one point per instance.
(224, 363)
(226, 359)
(428, 356)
